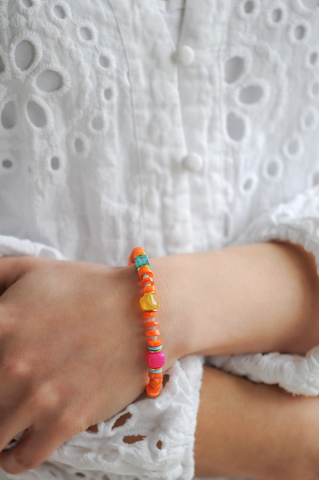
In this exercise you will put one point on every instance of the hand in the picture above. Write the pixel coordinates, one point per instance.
(72, 352)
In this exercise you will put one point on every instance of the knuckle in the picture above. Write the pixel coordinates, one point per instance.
(17, 368)
(47, 398)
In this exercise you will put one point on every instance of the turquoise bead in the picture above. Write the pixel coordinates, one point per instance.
(155, 349)
(142, 260)
(159, 370)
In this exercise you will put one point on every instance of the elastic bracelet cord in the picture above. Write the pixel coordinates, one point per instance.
(150, 305)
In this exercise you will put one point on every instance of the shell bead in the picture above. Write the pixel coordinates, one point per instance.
(149, 288)
(153, 392)
(152, 323)
(154, 343)
(147, 280)
(155, 375)
(152, 333)
(155, 382)
(149, 314)
(144, 271)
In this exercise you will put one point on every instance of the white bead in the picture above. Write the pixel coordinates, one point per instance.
(152, 327)
(192, 162)
(185, 56)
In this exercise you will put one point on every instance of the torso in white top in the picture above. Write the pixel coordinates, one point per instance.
(118, 131)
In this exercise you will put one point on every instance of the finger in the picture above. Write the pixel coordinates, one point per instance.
(12, 428)
(11, 269)
(34, 447)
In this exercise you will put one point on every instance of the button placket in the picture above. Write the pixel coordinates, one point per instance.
(184, 57)
(159, 132)
(200, 86)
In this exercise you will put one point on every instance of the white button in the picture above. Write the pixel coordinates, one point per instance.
(185, 55)
(192, 162)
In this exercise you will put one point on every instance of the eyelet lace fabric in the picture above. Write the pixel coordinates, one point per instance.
(148, 439)
(96, 118)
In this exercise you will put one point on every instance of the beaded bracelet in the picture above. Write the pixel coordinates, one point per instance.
(150, 305)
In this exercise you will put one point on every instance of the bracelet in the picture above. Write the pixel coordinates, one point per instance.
(150, 305)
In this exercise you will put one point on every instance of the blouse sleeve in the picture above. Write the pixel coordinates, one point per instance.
(13, 246)
(296, 221)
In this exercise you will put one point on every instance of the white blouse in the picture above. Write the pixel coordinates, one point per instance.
(131, 122)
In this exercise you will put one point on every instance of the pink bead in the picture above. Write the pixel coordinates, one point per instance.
(155, 360)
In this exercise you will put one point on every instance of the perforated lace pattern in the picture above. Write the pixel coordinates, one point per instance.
(95, 119)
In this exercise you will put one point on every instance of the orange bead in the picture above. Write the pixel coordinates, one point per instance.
(144, 270)
(150, 288)
(149, 314)
(153, 392)
(147, 280)
(155, 388)
(155, 382)
(151, 323)
(136, 252)
(152, 333)
(154, 343)
(155, 375)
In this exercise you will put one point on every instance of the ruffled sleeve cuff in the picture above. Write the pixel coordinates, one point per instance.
(13, 246)
(298, 222)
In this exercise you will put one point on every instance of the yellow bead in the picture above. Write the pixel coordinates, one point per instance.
(149, 302)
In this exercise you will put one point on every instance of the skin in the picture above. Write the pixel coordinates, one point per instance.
(72, 352)
(253, 298)
(73, 349)
(254, 431)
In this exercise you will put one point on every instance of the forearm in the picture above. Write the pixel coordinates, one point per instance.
(253, 298)
(246, 430)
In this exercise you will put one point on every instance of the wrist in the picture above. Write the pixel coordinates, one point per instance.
(173, 278)
(173, 335)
